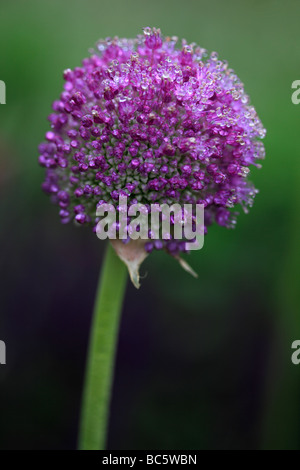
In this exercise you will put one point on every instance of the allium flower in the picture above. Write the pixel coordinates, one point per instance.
(154, 122)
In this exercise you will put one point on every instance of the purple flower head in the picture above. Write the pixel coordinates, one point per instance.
(154, 121)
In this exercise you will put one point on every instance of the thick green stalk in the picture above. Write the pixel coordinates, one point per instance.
(100, 364)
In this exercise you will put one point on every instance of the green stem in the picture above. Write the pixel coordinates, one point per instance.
(100, 365)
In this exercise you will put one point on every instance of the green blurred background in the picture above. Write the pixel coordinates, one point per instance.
(202, 364)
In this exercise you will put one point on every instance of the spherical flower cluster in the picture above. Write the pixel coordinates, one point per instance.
(156, 123)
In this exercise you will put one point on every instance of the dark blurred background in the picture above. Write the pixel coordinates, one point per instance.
(201, 364)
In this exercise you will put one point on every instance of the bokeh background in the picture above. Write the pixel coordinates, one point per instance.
(201, 364)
